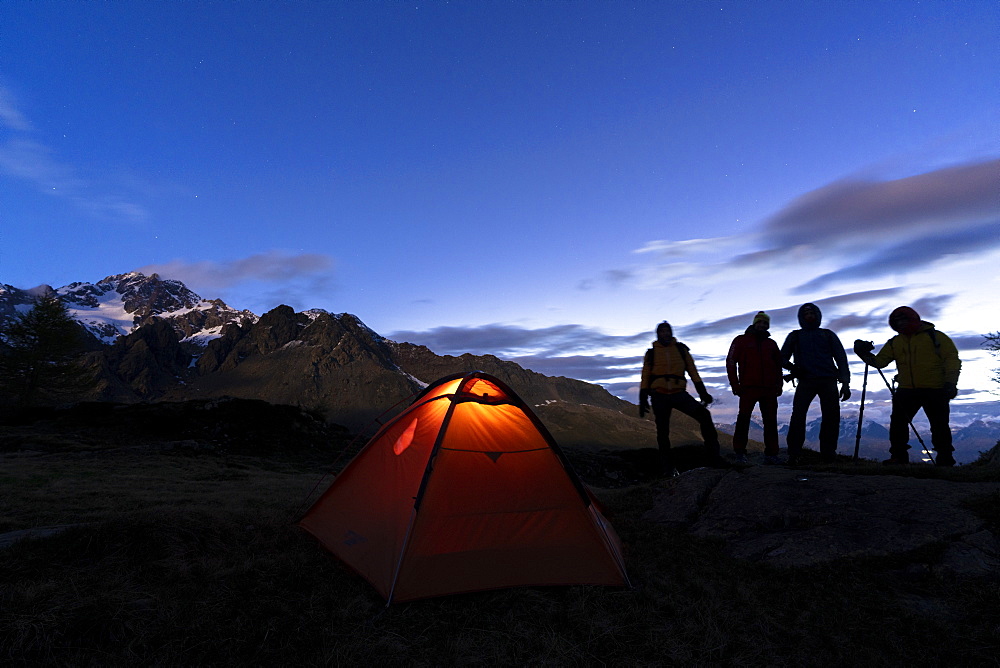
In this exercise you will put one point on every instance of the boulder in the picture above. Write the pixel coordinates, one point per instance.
(788, 517)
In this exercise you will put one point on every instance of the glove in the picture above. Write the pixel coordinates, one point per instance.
(950, 391)
(737, 390)
(845, 393)
(706, 398)
(643, 402)
(862, 348)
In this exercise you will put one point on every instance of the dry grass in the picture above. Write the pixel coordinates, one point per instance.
(194, 559)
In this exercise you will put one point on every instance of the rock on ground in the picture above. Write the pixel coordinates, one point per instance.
(788, 517)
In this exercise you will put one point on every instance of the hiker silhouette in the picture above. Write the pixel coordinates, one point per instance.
(927, 367)
(754, 369)
(663, 383)
(819, 363)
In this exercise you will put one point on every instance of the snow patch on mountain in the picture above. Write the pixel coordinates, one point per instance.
(116, 305)
(103, 313)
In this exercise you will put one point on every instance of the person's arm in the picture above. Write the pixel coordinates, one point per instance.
(884, 358)
(952, 365)
(840, 359)
(647, 370)
(699, 384)
(732, 367)
(843, 368)
(788, 349)
(775, 354)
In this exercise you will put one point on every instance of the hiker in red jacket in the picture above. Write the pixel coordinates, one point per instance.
(754, 368)
(663, 382)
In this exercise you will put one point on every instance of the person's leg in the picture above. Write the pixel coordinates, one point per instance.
(938, 412)
(769, 418)
(742, 429)
(688, 405)
(662, 408)
(905, 405)
(829, 430)
(804, 394)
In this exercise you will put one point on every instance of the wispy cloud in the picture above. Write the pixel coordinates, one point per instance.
(920, 252)
(787, 316)
(11, 117)
(292, 278)
(856, 212)
(867, 228)
(592, 368)
(512, 340)
(895, 226)
(26, 159)
(613, 278)
(686, 247)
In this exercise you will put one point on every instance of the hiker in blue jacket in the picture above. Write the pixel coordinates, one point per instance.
(819, 363)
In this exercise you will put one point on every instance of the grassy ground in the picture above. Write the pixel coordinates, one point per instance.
(177, 558)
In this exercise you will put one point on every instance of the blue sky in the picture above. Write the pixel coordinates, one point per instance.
(544, 181)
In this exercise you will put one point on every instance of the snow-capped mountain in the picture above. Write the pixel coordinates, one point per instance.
(117, 305)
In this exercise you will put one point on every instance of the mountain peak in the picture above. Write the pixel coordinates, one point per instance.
(116, 305)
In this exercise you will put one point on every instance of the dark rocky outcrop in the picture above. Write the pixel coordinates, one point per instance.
(789, 517)
(275, 329)
(142, 365)
(331, 363)
(223, 425)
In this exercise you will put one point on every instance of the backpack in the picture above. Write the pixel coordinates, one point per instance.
(685, 354)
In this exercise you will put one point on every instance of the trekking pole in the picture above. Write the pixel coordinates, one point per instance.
(861, 414)
(915, 432)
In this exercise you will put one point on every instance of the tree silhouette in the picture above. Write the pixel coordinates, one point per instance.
(40, 356)
(992, 344)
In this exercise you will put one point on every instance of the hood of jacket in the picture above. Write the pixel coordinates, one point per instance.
(811, 325)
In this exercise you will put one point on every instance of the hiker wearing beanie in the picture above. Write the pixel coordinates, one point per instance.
(663, 382)
(819, 363)
(754, 369)
(927, 367)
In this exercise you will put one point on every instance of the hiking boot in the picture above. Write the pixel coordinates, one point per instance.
(772, 460)
(944, 459)
(741, 458)
(897, 460)
(793, 460)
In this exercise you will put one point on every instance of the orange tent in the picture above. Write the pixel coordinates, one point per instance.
(464, 491)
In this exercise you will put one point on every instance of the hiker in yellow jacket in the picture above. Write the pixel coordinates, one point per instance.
(663, 382)
(927, 367)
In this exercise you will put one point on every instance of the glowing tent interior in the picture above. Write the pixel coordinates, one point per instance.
(464, 491)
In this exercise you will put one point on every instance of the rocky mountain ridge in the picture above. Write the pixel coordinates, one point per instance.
(117, 305)
(156, 340)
